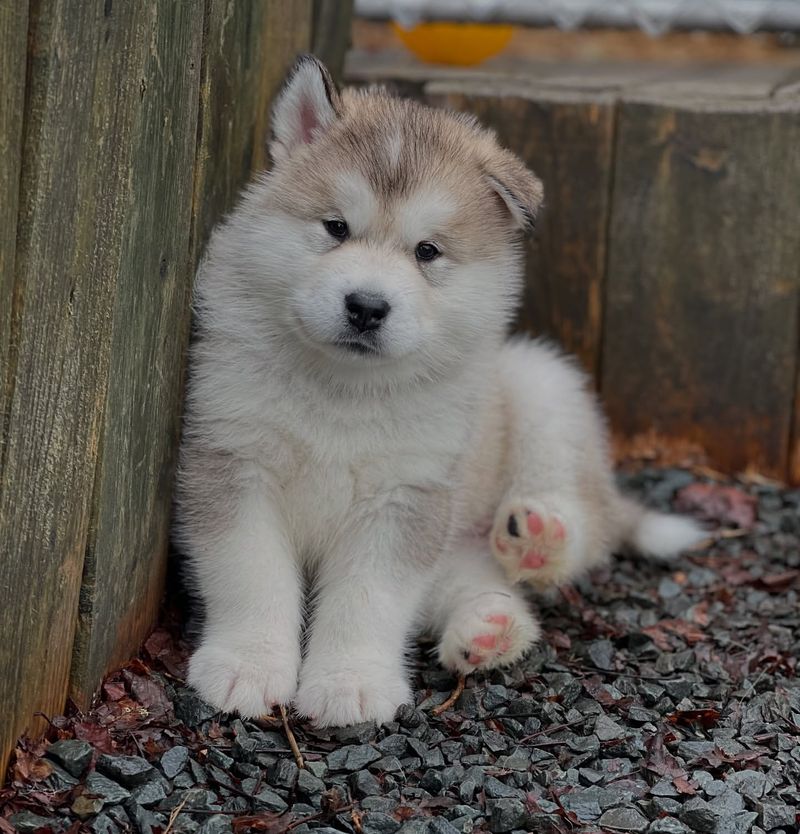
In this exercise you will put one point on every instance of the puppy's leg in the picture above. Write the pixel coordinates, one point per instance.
(249, 655)
(369, 591)
(557, 516)
(480, 620)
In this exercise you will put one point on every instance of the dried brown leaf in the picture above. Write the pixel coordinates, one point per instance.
(725, 505)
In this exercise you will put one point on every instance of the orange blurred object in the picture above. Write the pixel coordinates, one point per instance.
(458, 44)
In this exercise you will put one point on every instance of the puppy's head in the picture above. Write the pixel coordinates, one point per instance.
(392, 230)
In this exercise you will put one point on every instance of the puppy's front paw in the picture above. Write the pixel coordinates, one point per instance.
(495, 630)
(530, 541)
(335, 694)
(244, 678)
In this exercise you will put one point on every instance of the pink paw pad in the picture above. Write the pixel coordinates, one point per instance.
(528, 538)
(487, 647)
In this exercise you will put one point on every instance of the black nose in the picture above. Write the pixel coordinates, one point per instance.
(366, 312)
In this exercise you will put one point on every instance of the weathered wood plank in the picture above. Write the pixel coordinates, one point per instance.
(127, 548)
(332, 20)
(83, 82)
(245, 50)
(248, 48)
(702, 289)
(566, 137)
(13, 38)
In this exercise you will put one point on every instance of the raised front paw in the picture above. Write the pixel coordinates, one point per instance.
(493, 630)
(338, 692)
(243, 678)
(530, 541)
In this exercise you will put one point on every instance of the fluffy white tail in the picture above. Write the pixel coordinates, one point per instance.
(658, 535)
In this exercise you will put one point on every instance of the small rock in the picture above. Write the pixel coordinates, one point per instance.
(283, 774)
(103, 824)
(270, 800)
(667, 589)
(623, 819)
(191, 709)
(144, 821)
(414, 826)
(27, 822)
(606, 729)
(387, 764)
(150, 793)
(506, 815)
(394, 745)
(220, 759)
(215, 824)
(728, 802)
(667, 825)
(353, 757)
(127, 770)
(86, 806)
(72, 754)
(776, 815)
(698, 816)
(601, 653)
(737, 823)
(495, 789)
(109, 791)
(363, 783)
(375, 822)
(59, 779)
(309, 786)
(432, 782)
(360, 733)
(174, 761)
(750, 783)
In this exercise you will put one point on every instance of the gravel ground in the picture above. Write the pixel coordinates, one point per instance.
(664, 699)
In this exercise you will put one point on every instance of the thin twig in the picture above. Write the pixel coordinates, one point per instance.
(556, 729)
(174, 814)
(454, 696)
(298, 756)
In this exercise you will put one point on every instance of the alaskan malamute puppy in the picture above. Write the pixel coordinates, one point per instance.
(362, 442)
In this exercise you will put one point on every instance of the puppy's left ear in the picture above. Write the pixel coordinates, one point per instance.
(517, 187)
(306, 107)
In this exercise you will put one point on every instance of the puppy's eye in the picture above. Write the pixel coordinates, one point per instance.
(427, 251)
(337, 229)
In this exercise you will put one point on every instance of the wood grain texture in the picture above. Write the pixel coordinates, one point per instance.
(332, 21)
(125, 562)
(566, 138)
(82, 84)
(220, 73)
(248, 49)
(702, 291)
(13, 37)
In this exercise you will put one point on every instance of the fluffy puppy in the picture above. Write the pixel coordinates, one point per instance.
(362, 445)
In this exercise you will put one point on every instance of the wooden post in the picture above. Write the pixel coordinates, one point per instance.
(702, 289)
(13, 36)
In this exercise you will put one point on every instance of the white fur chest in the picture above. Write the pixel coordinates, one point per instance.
(339, 458)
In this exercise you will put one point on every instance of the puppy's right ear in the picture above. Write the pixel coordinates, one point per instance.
(307, 106)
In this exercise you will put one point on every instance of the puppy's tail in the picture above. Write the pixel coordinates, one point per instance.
(656, 535)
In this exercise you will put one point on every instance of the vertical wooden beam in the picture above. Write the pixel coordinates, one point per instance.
(221, 73)
(127, 546)
(13, 41)
(83, 79)
(331, 38)
(246, 56)
(566, 138)
(701, 332)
